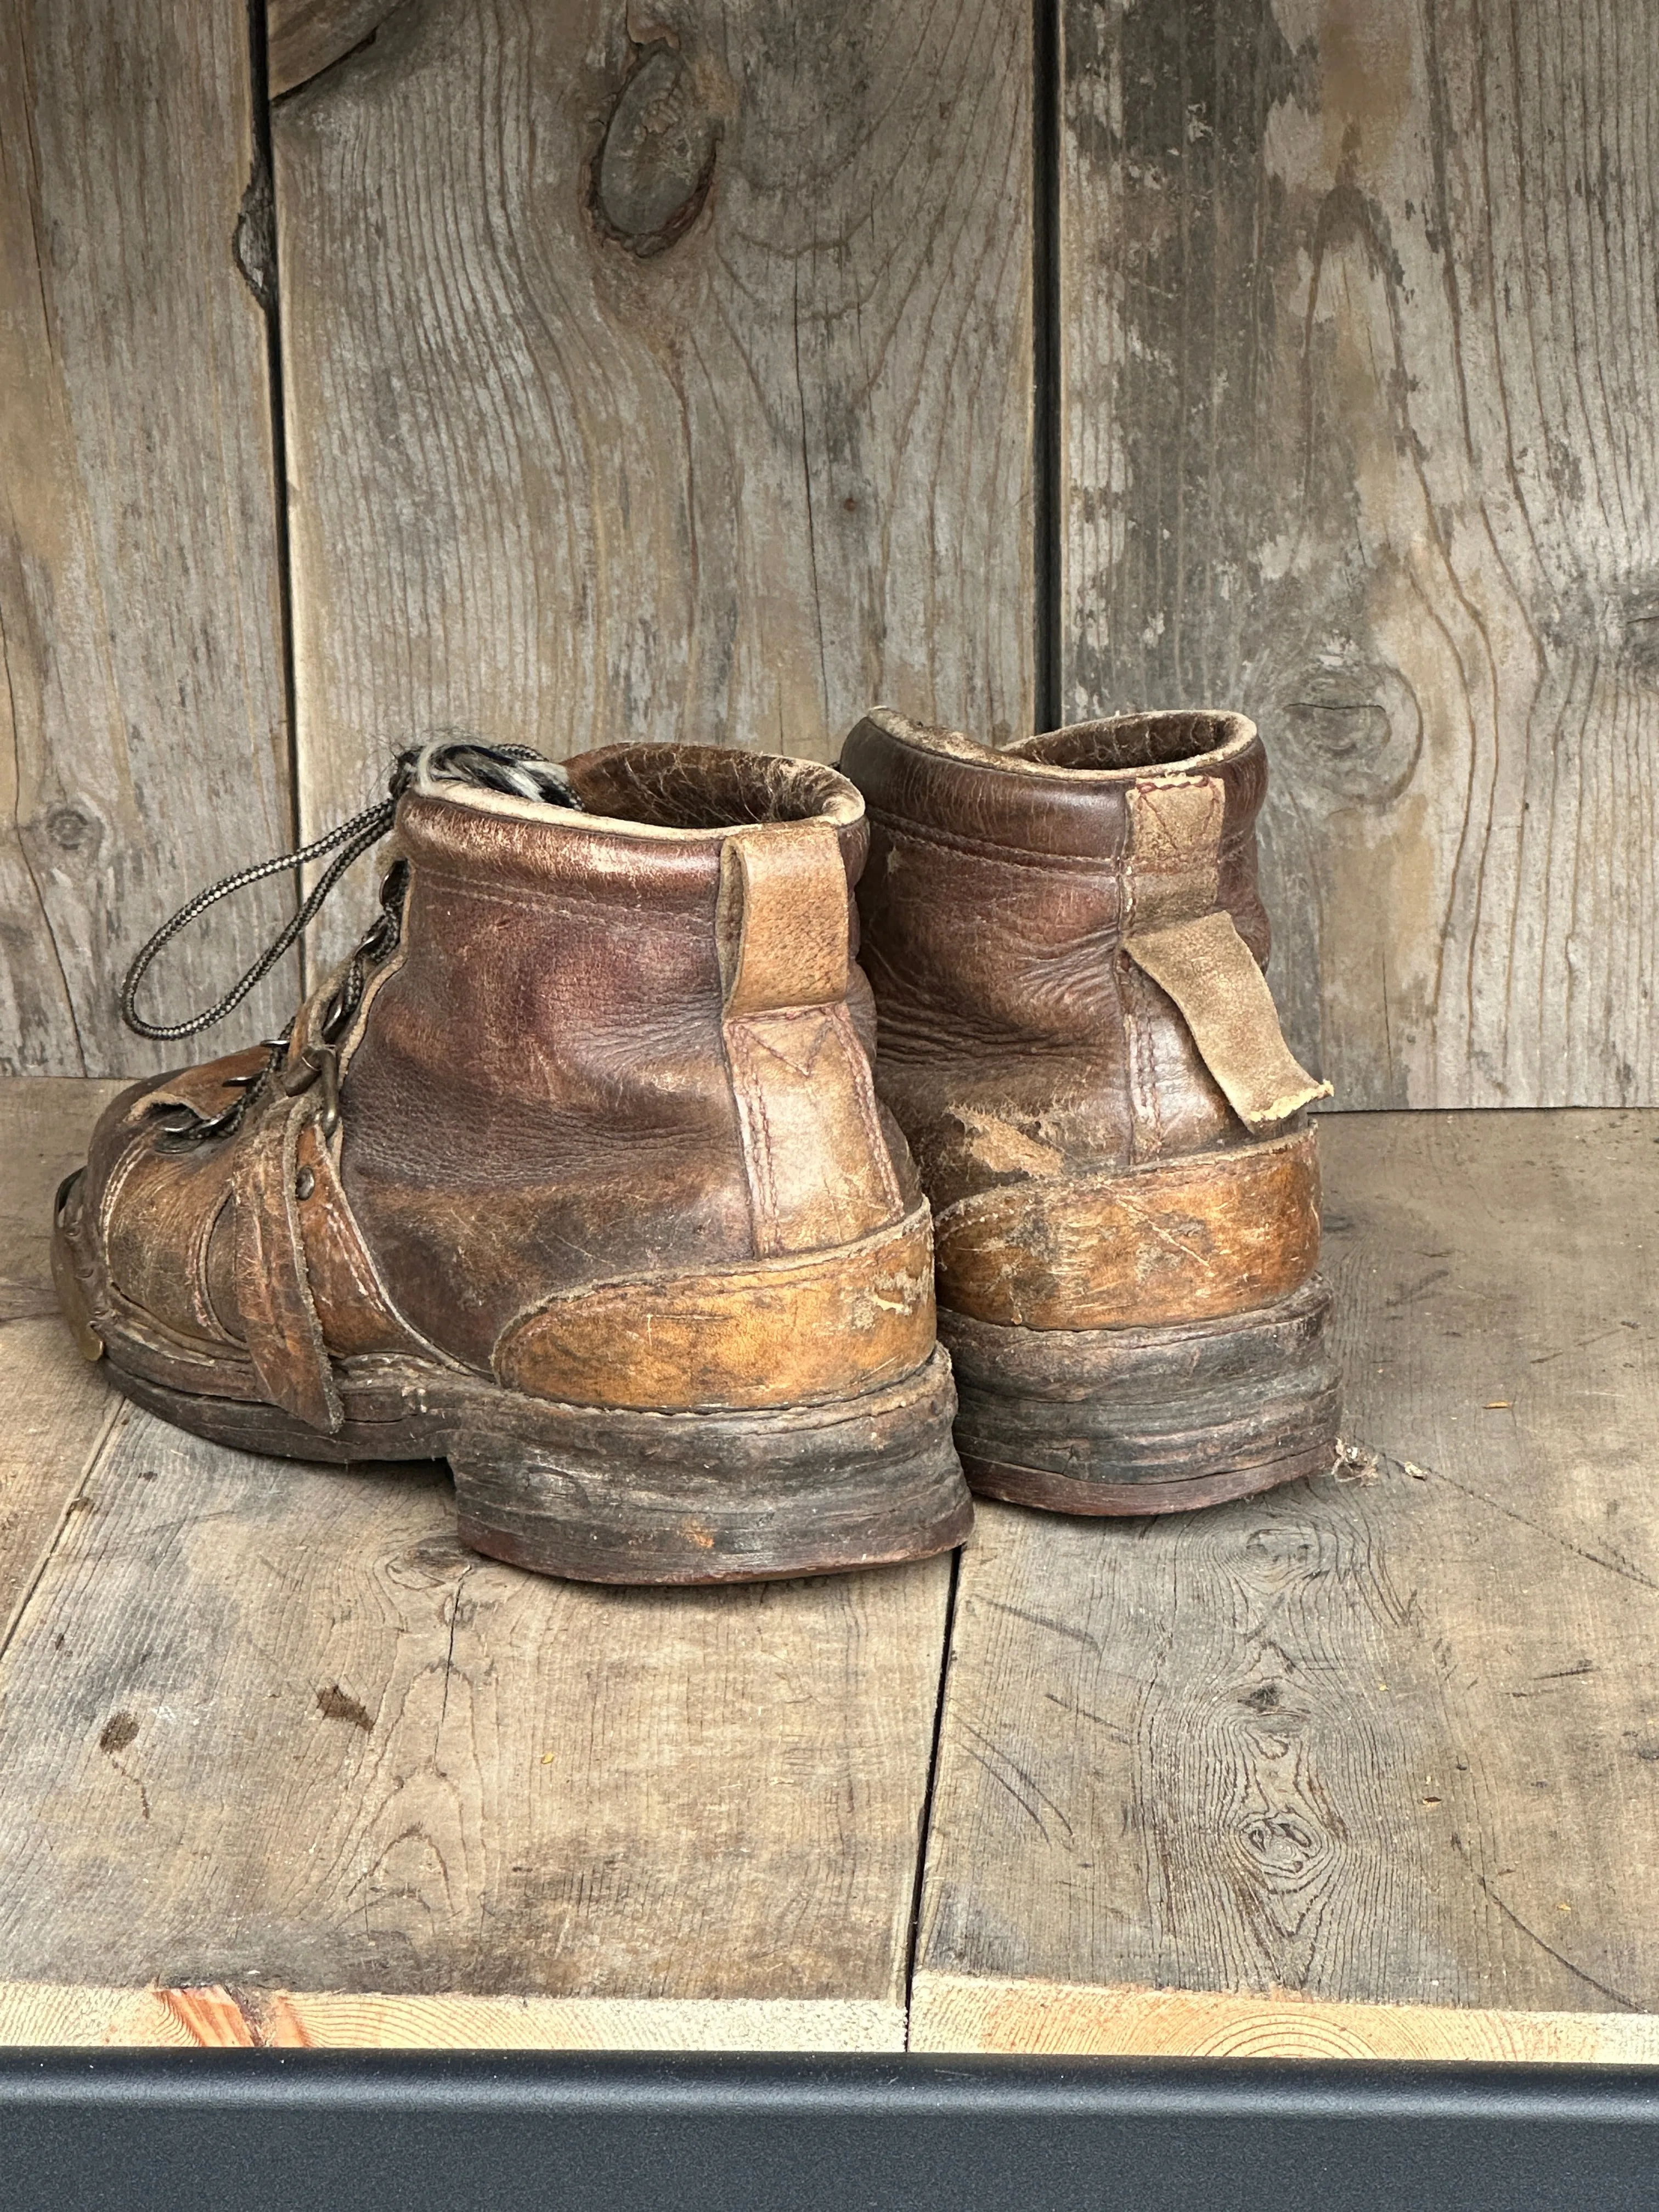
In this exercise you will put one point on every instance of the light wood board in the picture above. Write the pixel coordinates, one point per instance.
(563, 471)
(268, 1732)
(1371, 1764)
(143, 748)
(1360, 311)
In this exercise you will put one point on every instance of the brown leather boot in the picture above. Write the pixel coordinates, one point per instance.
(572, 1174)
(1067, 945)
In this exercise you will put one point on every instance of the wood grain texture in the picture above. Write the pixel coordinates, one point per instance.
(305, 37)
(1361, 302)
(212, 2017)
(1054, 2017)
(268, 1728)
(142, 738)
(1390, 1738)
(677, 389)
(55, 1411)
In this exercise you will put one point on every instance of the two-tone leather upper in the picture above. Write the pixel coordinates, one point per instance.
(610, 1095)
(1004, 899)
(1066, 947)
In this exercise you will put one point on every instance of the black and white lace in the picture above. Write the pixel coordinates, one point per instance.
(515, 770)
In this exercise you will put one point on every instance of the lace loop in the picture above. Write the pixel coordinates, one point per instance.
(517, 770)
(354, 838)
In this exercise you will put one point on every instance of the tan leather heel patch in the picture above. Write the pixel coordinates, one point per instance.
(1189, 1239)
(817, 1164)
(1211, 975)
(790, 1331)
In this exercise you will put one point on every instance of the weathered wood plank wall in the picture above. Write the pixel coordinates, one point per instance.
(144, 743)
(674, 377)
(669, 387)
(1361, 322)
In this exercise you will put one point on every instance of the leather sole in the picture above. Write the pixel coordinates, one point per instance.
(1147, 1421)
(600, 1495)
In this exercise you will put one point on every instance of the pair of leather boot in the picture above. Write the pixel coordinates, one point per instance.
(578, 1173)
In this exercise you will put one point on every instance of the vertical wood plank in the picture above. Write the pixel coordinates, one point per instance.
(670, 385)
(142, 739)
(1361, 309)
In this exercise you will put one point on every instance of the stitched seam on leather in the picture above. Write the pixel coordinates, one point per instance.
(1011, 856)
(118, 1177)
(754, 1136)
(533, 894)
(1149, 1072)
(265, 1335)
(864, 1090)
(201, 1304)
(1020, 856)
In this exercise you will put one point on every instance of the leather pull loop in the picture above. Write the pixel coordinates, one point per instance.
(784, 918)
(1211, 975)
(273, 1292)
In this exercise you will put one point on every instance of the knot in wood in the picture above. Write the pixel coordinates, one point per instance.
(73, 829)
(1280, 1847)
(1356, 729)
(656, 160)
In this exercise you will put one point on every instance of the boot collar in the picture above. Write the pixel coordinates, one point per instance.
(678, 794)
(1119, 748)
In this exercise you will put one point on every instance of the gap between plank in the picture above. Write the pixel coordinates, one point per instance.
(924, 1829)
(116, 1419)
(1046, 308)
(264, 175)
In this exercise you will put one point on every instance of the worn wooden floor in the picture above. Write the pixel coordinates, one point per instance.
(1369, 1766)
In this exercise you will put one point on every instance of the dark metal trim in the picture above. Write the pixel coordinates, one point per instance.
(83, 2131)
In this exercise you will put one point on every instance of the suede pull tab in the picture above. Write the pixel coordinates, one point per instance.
(1211, 975)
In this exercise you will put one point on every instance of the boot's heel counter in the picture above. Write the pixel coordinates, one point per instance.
(800, 1329)
(819, 1170)
(1193, 1238)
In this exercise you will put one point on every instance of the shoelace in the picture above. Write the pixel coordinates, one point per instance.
(516, 770)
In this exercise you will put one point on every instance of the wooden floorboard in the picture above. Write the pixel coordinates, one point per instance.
(1371, 1764)
(272, 1739)
(54, 1410)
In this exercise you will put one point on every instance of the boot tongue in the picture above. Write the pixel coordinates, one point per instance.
(517, 770)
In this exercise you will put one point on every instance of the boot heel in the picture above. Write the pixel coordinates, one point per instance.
(597, 1494)
(1147, 1421)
